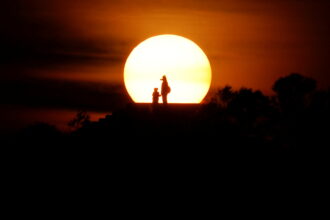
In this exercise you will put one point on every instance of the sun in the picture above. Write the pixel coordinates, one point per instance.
(184, 63)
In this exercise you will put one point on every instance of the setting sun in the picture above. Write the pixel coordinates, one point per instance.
(184, 63)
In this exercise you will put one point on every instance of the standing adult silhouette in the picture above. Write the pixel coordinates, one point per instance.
(165, 89)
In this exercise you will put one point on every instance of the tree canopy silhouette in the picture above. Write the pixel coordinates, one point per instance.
(292, 91)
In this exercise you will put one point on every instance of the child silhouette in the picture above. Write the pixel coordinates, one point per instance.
(155, 96)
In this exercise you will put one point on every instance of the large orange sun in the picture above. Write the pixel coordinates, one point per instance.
(184, 63)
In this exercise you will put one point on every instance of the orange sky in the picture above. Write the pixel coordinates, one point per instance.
(249, 42)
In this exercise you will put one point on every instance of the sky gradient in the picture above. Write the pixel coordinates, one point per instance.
(250, 43)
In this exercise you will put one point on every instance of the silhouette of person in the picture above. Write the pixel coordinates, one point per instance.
(155, 96)
(165, 90)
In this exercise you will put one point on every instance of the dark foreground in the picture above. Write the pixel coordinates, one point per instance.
(193, 151)
(177, 133)
(236, 132)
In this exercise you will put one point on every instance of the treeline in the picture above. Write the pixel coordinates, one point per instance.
(294, 120)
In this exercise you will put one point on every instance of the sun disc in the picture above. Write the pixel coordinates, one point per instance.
(184, 63)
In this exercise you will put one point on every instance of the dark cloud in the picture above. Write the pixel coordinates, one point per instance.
(256, 37)
(44, 43)
(32, 92)
(34, 34)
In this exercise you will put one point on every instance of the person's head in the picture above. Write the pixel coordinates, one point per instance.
(155, 89)
(164, 78)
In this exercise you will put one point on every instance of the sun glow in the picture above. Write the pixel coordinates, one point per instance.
(185, 65)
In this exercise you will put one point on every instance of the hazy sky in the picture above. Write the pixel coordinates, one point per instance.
(249, 42)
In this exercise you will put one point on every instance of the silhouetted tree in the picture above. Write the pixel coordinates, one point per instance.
(226, 95)
(81, 119)
(320, 102)
(292, 91)
(247, 105)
